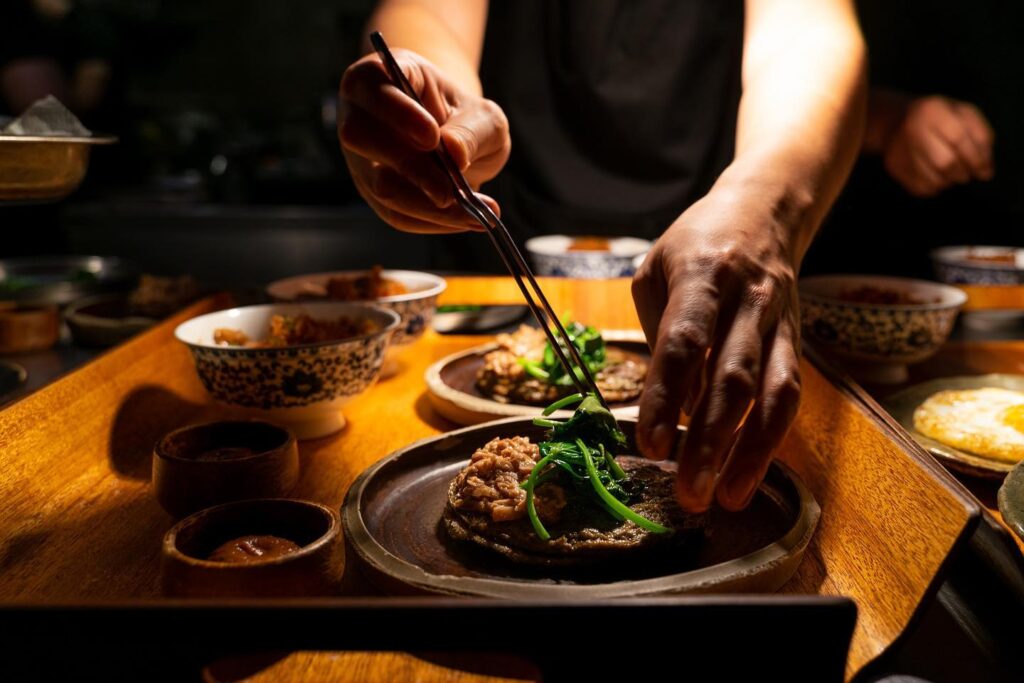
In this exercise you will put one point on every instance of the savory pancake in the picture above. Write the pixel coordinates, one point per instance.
(987, 422)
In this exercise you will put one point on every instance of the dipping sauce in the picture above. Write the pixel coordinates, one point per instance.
(590, 244)
(1002, 258)
(253, 549)
(226, 453)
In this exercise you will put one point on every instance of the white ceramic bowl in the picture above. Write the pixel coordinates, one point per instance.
(301, 387)
(954, 265)
(551, 257)
(877, 341)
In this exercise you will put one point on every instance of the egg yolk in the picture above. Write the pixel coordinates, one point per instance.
(1014, 417)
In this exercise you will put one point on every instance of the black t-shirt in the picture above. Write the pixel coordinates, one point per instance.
(622, 112)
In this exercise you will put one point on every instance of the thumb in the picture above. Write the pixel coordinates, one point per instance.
(474, 132)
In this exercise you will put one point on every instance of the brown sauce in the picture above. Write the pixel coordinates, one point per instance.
(253, 549)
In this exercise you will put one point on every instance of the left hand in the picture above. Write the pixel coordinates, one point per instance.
(717, 300)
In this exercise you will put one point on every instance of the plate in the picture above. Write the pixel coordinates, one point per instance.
(1011, 499)
(477, 319)
(61, 279)
(391, 517)
(451, 384)
(902, 405)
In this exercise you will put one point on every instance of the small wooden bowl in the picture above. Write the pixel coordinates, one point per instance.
(35, 328)
(315, 569)
(219, 462)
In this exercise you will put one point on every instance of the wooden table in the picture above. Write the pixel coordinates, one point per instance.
(79, 525)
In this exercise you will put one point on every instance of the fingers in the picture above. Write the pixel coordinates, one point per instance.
(734, 379)
(943, 159)
(367, 86)
(684, 333)
(768, 422)
(975, 138)
(475, 133)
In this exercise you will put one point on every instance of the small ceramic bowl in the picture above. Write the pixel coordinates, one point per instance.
(104, 320)
(28, 328)
(202, 465)
(876, 341)
(301, 387)
(552, 255)
(416, 308)
(979, 265)
(314, 569)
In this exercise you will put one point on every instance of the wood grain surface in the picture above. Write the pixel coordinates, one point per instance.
(79, 523)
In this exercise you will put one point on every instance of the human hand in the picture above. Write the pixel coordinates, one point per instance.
(387, 138)
(939, 142)
(717, 299)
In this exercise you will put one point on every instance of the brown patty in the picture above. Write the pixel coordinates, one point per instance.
(585, 533)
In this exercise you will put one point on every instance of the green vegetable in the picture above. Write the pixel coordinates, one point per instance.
(459, 308)
(567, 454)
(588, 342)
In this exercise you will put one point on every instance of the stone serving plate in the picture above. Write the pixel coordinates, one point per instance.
(391, 518)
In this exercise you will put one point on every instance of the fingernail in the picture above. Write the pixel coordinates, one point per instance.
(703, 482)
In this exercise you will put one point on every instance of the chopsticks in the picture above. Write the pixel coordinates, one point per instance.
(502, 240)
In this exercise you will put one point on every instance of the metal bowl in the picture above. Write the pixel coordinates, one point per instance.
(43, 168)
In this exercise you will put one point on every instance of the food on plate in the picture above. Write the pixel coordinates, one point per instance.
(589, 244)
(526, 369)
(1004, 257)
(253, 548)
(294, 330)
(868, 294)
(570, 499)
(158, 297)
(988, 422)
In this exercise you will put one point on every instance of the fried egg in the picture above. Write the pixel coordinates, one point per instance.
(987, 422)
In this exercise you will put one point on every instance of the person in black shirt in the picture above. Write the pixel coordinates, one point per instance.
(726, 127)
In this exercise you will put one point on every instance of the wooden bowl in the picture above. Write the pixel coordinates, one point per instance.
(315, 569)
(33, 328)
(219, 462)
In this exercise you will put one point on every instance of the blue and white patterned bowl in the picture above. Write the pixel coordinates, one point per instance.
(416, 308)
(551, 257)
(961, 265)
(301, 387)
(877, 341)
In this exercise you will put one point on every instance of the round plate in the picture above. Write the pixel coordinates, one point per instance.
(902, 405)
(61, 279)
(478, 319)
(451, 384)
(392, 514)
(1011, 499)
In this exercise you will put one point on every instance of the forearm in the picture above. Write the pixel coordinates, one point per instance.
(449, 33)
(801, 115)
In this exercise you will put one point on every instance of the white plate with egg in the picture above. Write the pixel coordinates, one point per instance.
(973, 424)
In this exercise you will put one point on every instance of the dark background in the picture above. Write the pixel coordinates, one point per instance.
(228, 165)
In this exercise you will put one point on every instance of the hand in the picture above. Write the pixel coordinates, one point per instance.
(717, 296)
(939, 143)
(386, 138)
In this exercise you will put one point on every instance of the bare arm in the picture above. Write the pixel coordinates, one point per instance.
(717, 293)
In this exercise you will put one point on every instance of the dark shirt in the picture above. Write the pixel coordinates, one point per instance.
(622, 112)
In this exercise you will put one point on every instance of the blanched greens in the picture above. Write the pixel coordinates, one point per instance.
(588, 342)
(580, 452)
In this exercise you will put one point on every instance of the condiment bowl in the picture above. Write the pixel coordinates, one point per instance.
(28, 328)
(979, 265)
(553, 255)
(302, 387)
(202, 465)
(314, 569)
(876, 341)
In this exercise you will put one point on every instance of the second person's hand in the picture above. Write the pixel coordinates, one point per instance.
(387, 138)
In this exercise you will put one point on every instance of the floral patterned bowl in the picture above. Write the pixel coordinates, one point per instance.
(300, 387)
(551, 256)
(876, 341)
(416, 307)
(997, 266)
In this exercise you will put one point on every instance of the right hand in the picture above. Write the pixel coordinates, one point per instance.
(386, 138)
(940, 142)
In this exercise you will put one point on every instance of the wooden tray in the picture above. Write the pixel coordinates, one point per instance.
(391, 520)
(80, 526)
(451, 384)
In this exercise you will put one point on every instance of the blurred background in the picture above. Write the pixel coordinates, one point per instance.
(226, 109)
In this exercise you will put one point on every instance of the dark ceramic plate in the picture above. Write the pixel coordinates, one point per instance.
(391, 520)
(1011, 499)
(902, 405)
(451, 384)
